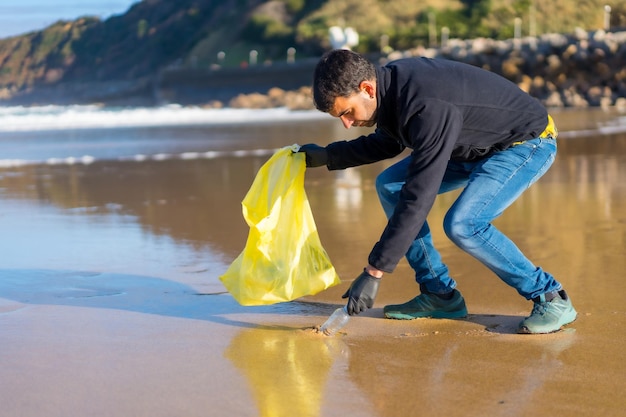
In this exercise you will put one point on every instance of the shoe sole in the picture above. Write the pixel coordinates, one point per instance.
(526, 330)
(432, 315)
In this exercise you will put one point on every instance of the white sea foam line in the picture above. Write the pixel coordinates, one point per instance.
(212, 154)
(161, 156)
(240, 153)
(88, 159)
(10, 163)
(263, 152)
(601, 131)
(189, 155)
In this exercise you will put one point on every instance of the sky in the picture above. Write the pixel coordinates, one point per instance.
(21, 16)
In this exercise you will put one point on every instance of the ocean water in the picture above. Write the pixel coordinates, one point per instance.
(157, 192)
(84, 134)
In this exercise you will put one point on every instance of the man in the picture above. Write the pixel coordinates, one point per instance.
(465, 127)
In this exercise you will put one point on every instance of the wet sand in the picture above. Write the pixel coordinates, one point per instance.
(94, 325)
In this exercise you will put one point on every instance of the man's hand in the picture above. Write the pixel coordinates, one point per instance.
(362, 293)
(316, 156)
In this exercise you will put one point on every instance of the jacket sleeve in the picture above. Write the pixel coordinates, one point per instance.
(432, 133)
(362, 150)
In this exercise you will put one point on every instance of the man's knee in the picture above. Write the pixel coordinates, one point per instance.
(458, 228)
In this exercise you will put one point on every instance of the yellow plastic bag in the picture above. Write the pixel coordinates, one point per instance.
(283, 258)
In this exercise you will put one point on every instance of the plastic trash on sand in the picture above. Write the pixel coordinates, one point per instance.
(283, 258)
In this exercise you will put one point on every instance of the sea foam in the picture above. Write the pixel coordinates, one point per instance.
(18, 118)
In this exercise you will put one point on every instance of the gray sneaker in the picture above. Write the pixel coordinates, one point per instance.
(428, 305)
(550, 313)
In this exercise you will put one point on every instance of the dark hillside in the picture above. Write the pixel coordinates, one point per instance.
(152, 34)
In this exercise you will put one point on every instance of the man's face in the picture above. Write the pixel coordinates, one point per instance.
(359, 109)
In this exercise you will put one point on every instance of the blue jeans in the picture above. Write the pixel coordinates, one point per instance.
(491, 185)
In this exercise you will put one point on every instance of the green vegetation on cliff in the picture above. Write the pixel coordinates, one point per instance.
(156, 34)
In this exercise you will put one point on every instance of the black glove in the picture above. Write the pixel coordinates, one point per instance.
(362, 293)
(316, 155)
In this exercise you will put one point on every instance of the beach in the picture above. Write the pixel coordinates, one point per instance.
(117, 227)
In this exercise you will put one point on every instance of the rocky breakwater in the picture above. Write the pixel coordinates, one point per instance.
(578, 70)
(583, 69)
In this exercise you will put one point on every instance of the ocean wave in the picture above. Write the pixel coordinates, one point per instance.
(19, 150)
(24, 119)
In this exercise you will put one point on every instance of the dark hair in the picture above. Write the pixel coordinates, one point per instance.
(339, 74)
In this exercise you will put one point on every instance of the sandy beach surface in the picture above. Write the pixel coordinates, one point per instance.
(110, 303)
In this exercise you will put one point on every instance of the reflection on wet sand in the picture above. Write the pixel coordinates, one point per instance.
(460, 376)
(287, 371)
(191, 201)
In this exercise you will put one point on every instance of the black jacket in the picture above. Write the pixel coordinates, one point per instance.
(442, 110)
